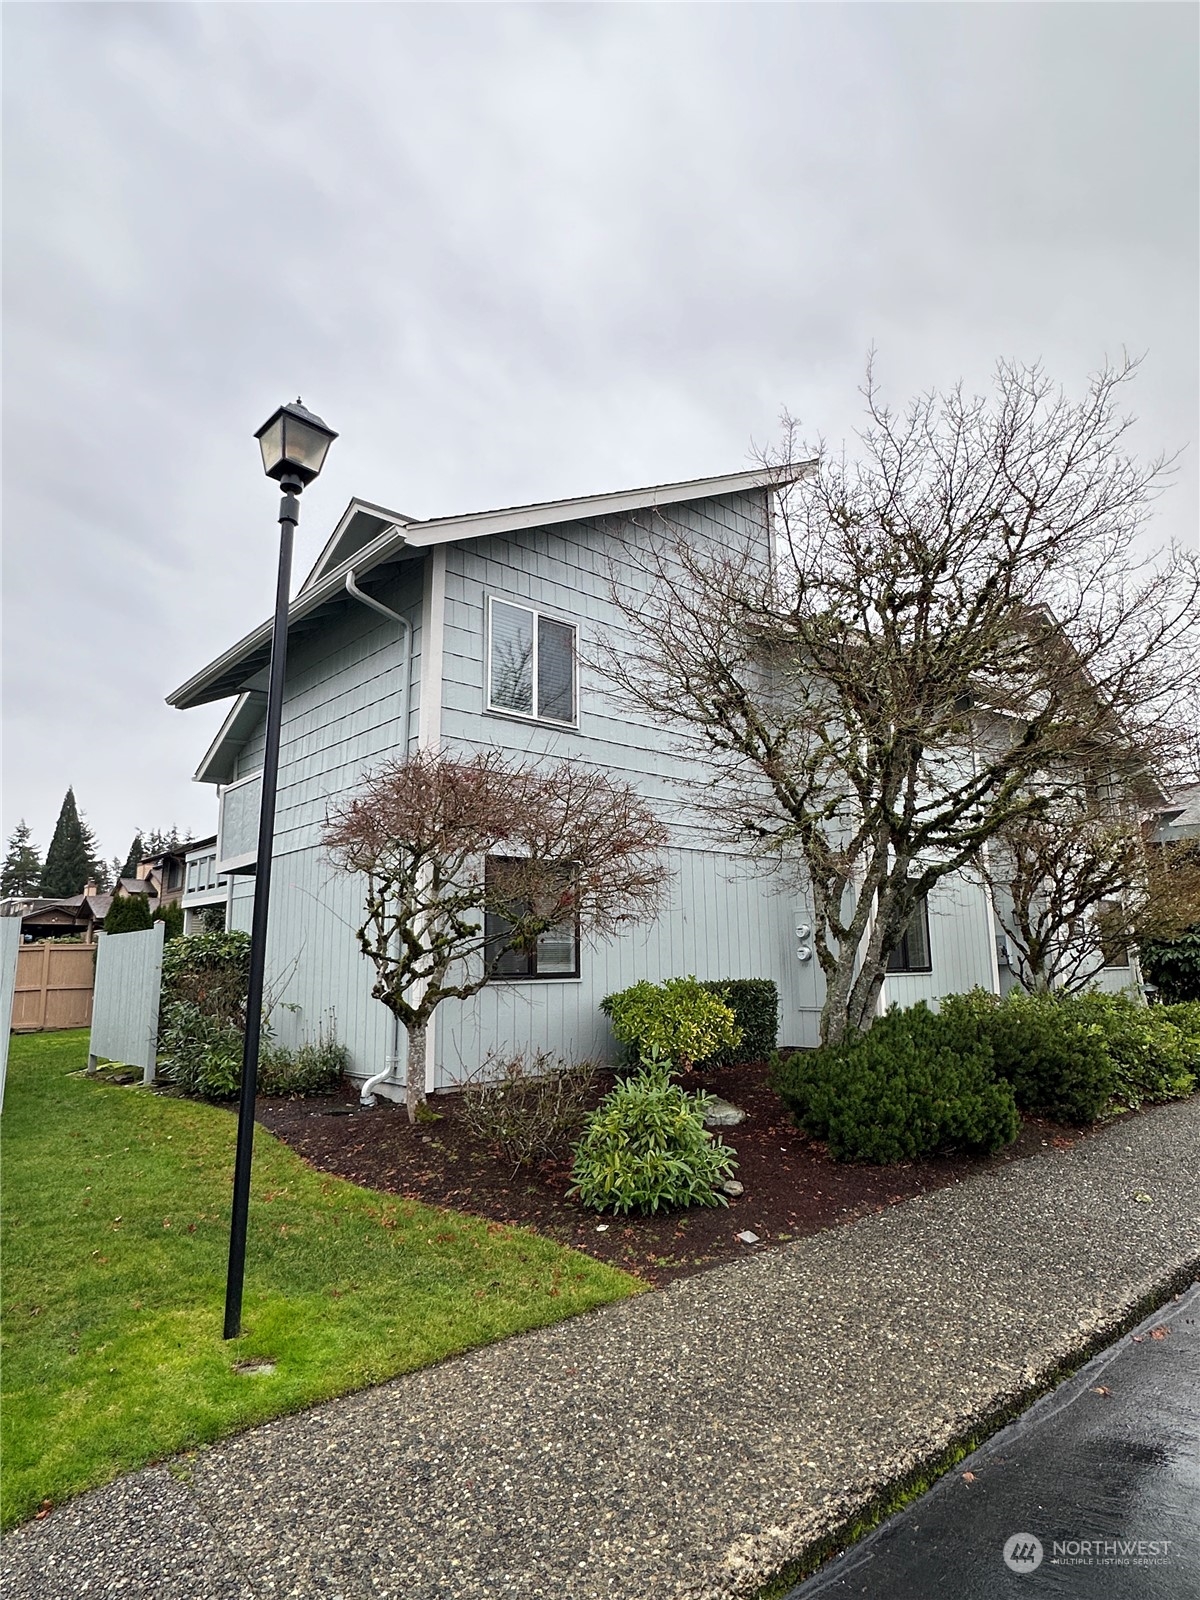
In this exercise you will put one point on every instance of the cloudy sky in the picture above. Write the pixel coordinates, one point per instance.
(513, 252)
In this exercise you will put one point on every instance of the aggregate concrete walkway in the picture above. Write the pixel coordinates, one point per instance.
(683, 1446)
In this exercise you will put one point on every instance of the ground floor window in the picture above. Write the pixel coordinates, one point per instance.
(554, 954)
(911, 954)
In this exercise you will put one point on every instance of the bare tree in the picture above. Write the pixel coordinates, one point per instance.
(947, 632)
(1077, 881)
(1066, 885)
(443, 841)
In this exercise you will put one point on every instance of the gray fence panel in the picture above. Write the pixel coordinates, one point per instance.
(10, 943)
(125, 1005)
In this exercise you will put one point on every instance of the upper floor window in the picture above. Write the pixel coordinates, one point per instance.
(531, 663)
(912, 952)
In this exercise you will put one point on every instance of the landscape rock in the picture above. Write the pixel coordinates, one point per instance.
(723, 1115)
(733, 1188)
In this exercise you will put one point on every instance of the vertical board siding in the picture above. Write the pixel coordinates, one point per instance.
(125, 1008)
(961, 942)
(10, 943)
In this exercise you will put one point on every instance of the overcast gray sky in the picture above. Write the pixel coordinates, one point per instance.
(513, 252)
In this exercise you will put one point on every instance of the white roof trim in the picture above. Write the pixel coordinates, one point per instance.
(397, 518)
(247, 709)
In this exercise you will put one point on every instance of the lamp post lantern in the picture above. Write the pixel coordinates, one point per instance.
(294, 444)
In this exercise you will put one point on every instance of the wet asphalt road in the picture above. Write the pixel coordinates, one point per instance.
(1110, 1458)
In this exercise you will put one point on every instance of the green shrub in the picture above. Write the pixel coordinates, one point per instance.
(1186, 1017)
(645, 1147)
(1054, 1058)
(128, 913)
(209, 970)
(200, 1053)
(315, 1067)
(916, 1084)
(1173, 966)
(755, 1006)
(1145, 1047)
(678, 1019)
(172, 915)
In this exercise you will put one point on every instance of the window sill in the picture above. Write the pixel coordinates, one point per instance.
(530, 721)
(548, 977)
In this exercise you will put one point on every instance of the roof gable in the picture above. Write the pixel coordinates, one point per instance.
(405, 539)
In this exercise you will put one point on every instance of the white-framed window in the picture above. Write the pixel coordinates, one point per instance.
(532, 668)
(554, 954)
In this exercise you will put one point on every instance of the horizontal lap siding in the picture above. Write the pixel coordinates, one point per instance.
(341, 717)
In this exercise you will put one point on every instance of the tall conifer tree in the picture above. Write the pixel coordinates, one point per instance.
(69, 858)
(22, 873)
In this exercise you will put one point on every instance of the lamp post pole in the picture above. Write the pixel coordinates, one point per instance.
(289, 516)
(294, 443)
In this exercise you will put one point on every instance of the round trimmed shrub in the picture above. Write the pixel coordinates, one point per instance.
(645, 1148)
(1148, 1053)
(916, 1084)
(679, 1020)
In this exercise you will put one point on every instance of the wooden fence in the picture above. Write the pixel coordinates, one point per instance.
(54, 986)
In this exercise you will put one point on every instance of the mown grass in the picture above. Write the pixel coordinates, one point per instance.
(115, 1234)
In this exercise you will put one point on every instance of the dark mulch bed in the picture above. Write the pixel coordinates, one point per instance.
(792, 1186)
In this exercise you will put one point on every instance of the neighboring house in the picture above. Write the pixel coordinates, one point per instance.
(205, 891)
(472, 632)
(1179, 818)
(76, 916)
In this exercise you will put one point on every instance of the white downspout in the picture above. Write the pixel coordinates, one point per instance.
(367, 1092)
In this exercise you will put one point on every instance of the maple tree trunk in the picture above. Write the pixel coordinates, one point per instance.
(414, 1075)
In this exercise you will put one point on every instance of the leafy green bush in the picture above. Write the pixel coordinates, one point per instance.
(1145, 1046)
(917, 1083)
(209, 970)
(1173, 966)
(678, 1019)
(172, 915)
(528, 1109)
(755, 1006)
(200, 1053)
(1054, 1058)
(645, 1147)
(128, 913)
(1186, 1017)
(315, 1067)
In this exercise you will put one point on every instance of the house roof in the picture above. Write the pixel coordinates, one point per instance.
(402, 538)
(1180, 818)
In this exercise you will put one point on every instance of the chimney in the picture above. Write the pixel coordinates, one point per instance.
(89, 889)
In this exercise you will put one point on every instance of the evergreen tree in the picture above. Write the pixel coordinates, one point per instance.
(129, 913)
(69, 858)
(172, 915)
(133, 860)
(22, 872)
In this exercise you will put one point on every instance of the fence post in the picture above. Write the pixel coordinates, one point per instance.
(10, 943)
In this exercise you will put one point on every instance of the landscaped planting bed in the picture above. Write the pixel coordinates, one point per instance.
(792, 1187)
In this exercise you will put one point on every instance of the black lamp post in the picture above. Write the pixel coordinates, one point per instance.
(294, 443)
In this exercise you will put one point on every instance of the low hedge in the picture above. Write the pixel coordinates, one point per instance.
(679, 1020)
(918, 1083)
(1054, 1058)
(755, 1006)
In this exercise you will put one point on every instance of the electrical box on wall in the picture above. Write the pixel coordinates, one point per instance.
(803, 938)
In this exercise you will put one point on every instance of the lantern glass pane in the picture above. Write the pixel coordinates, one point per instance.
(304, 446)
(271, 444)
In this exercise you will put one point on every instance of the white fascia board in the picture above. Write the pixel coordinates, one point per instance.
(231, 736)
(397, 518)
(480, 524)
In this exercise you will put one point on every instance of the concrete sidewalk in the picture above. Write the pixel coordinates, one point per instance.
(684, 1446)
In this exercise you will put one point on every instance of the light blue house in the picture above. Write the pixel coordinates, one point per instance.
(402, 638)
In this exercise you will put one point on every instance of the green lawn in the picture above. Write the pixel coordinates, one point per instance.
(116, 1226)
